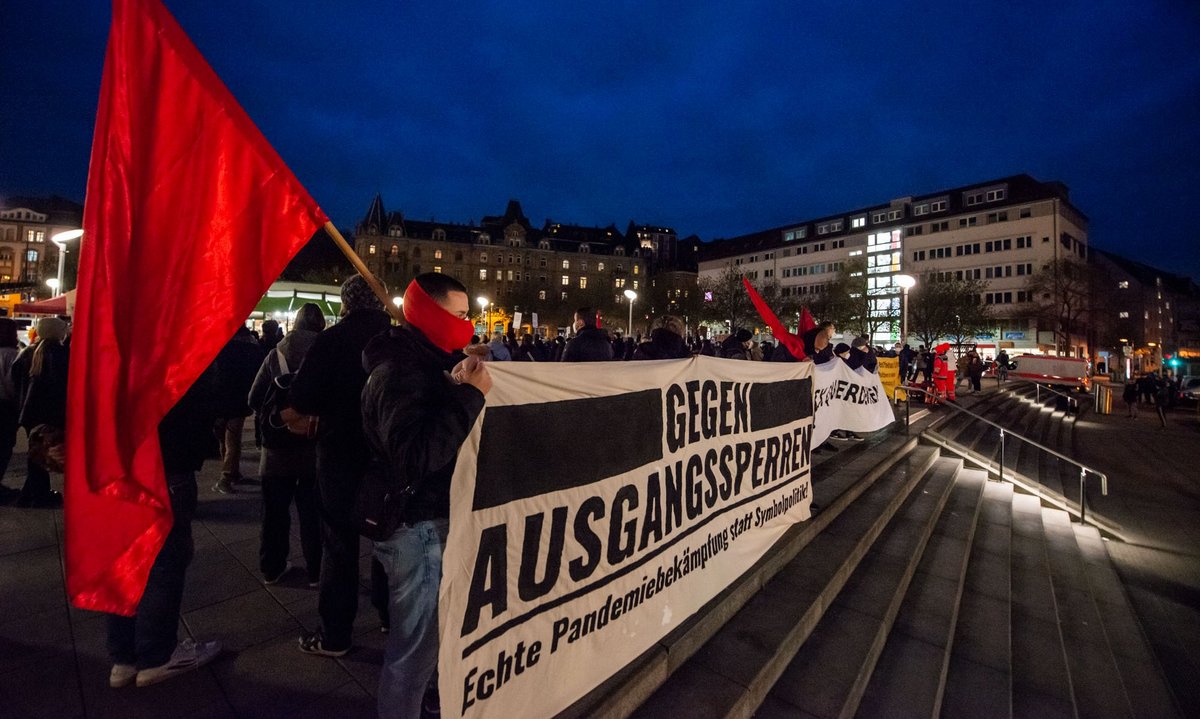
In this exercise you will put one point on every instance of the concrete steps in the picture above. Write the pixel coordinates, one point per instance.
(918, 589)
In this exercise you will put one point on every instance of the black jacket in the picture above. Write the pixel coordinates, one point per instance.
(237, 364)
(185, 433)
(862, 358)
(591, 344)
(329, 385)
(810, 340)
(663, 344)
(414, 418)
(44, 398)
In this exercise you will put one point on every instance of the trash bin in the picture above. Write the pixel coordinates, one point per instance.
(1103, 398)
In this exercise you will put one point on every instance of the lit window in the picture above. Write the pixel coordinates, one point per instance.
(635, 269)
(483, 257)
(566, 264)
(600, 266)
(583, 283)
(437, 269)
(857, 222)
(566, 280)
(635, 284)
(619, 282)
(371, 249)
(1123, 315)
(541, 294)
(1123, 285)
(483, 274)
(437, 254)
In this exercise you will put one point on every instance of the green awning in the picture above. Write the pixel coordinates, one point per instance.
(279, 303)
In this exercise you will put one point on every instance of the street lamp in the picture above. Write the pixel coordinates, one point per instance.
(906, 282)
(60, 240)
(398, 301)
(52, 283)
(483, 305)
(631, 296)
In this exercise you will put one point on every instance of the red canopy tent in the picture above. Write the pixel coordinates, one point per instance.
(61, 305)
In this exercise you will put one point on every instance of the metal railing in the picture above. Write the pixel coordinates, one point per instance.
(1038, 391)
(1084, 470)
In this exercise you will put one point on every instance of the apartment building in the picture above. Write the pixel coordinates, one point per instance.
(1001, 232)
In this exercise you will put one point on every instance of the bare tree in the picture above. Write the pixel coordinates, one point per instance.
(1062, 293)
(725, 299)
(947, 309)
(851, 305)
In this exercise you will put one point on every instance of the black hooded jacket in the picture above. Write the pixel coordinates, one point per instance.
(663, 344)
(329, 385)
(415, 418)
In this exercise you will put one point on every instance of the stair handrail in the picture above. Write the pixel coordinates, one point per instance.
(1038, 389)
(1083, 468)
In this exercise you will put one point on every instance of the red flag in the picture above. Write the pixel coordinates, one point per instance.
(794, 344)
(806, 321)
(189, 217)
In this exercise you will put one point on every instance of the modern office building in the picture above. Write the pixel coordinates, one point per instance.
(1001, 232)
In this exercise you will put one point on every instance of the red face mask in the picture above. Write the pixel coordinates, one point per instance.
(445, 330)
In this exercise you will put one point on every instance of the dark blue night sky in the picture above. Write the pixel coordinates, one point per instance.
(714, 118)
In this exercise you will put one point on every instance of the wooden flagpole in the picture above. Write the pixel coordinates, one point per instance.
(376, 285)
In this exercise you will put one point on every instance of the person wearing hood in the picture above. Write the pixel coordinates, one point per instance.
(39, 375)
(420, 401)
(328, 386)
(842, 350)
(737, 345)
(590, 344)
(288, 462)
(861, 355)
(666, 341)
(271, 336)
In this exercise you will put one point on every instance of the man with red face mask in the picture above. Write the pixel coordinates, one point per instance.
(421, 399)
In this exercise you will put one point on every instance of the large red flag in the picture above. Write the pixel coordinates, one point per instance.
(189, 217)
(793, 342)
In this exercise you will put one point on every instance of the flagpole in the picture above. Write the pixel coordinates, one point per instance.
(355, 260)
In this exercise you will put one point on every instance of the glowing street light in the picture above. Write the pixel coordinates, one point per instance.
(398, 301)
(53, 284)
(483, 303)
(60, 240)
(631, 296)
(906, 283)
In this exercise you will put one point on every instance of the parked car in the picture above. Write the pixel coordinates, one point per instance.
(1189, 389)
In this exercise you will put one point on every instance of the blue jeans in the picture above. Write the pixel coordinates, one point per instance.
(412, 558)
(148, 638)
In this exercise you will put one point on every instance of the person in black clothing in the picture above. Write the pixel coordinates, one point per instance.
(666, 341)
(271, 336)
(861, 355)
(737, 345)
(143, 647)
(419, 404)
(328, 385)
(237, 364)
(818, 342)
(40, 380)
(288, 462)
(10, 410)
(590, 344)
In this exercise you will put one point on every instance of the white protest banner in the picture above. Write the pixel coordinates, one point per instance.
(535, 323)
(596, 506)
(516, 323)
(849, 399)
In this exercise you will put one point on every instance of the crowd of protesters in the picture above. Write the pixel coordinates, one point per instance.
(339, 410)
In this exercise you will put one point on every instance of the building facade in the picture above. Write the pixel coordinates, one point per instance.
(513, 265)
(1000, 232)
(28, 257)
(1147, 319)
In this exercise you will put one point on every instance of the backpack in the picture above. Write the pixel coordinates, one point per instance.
(273, 430)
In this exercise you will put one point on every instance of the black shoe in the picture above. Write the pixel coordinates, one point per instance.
(314, 643)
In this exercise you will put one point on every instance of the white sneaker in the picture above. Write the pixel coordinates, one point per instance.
(122, 675)
(287, 567)
(187, 656)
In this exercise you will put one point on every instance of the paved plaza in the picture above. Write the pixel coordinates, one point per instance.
(53, 661)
